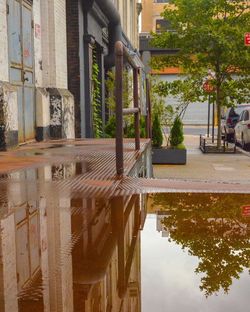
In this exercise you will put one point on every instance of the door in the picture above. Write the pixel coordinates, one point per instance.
(21, 56)
(238, 127)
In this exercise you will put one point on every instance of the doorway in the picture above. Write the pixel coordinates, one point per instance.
(21, 59)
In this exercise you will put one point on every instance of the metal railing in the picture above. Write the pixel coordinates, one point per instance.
(122, 53)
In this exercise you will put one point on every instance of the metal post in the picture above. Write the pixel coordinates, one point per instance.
(213, 124)
(136, 105)
(208, 117)
(119, 106)
(118, 204)
(149, 127)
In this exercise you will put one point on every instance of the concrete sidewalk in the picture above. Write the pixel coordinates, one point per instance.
(228, 168)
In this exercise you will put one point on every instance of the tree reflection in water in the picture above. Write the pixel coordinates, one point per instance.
(213, 228)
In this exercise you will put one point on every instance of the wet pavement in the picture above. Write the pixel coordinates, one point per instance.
(212, 168)
(72, 235)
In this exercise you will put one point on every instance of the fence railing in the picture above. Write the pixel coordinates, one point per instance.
(121, 53)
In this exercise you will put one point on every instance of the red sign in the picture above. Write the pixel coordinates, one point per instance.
(245, 211)
(247, 39)
(207, 86)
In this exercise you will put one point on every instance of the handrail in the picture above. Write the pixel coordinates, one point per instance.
(121, 52)
(130, 111)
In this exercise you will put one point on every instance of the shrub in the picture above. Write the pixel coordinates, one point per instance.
(110, 127)
(157, 137)
(129, 129)
(176, 132)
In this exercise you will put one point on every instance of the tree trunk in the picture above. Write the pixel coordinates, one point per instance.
(218, 106)
(219, 125)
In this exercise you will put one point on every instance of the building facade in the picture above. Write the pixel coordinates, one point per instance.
(48, 50)
(93, 27)
(151, 15)
(34, 99)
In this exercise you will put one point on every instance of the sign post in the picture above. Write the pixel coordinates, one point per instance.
(209, 88)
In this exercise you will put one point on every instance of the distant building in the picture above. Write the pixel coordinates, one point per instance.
(152, 21)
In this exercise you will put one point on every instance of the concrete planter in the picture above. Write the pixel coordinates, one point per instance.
(168, 155)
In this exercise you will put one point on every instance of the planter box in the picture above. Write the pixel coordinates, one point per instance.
(169, 156)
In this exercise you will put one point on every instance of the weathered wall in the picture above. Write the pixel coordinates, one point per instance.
(8, 116)
(38, 62)
(8, 282)
(54, 49)
(4, 63)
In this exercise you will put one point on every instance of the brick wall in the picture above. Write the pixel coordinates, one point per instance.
(73, 58)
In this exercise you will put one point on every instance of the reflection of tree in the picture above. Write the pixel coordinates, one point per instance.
(212, 228)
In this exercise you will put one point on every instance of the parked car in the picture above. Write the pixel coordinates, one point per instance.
(242, 129)
(230, 119)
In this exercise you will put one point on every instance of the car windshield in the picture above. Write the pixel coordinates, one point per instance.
(240, 109)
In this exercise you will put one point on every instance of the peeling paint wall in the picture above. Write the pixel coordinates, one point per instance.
(8, 115)
(68, 116)
(4, 61)
(42, 108)
(62, 120)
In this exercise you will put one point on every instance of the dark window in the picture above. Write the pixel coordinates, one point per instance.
(162, 25)
(161, 1)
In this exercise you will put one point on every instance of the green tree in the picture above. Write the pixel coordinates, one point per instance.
(208, 37)
(157, 137)
(176, 133)
(212, 228)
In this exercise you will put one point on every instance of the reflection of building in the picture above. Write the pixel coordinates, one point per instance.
(160, 216)
(67, 253)
(108, 276)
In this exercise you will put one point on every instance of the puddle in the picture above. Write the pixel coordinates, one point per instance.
(196, 253)
(70, 253)
(55, 172)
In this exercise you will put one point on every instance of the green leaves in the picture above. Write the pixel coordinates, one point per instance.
(176, 133)
(96, 99)
(209, 35)
(211, 227)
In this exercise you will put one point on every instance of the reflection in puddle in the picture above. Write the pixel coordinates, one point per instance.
(63, 253)
(66, 252)
(202, 251)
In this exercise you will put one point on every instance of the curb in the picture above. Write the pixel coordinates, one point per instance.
(239, 149)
